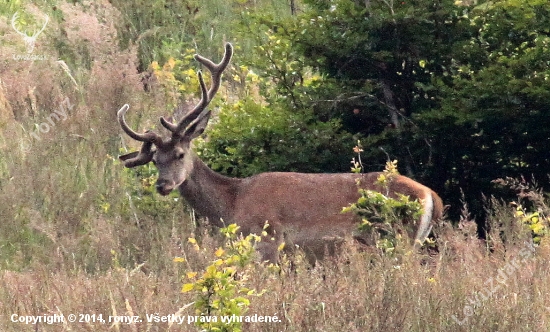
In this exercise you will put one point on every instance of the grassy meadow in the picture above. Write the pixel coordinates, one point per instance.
(81, 235)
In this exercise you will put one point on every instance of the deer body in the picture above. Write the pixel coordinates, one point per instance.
(302, 210)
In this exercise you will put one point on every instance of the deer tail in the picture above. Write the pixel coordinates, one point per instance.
(430, 207)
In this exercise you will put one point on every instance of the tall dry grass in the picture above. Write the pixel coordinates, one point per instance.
(472, 291)
(65, 199)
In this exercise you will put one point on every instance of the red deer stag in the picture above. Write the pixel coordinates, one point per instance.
(302, 209)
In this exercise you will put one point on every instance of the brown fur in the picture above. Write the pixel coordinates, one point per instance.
(302, 209)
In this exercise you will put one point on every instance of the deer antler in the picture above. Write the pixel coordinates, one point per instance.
(192, 124)
(178, 131)
(142, 157)
(148, 136)
(198, 112)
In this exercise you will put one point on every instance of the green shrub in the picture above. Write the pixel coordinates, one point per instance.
(250, 138)
(221, 292)
(382, 216)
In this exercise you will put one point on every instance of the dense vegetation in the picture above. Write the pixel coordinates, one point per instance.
(457, 92)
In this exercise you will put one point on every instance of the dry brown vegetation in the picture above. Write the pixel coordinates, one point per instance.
(355, 292)
(76, 239)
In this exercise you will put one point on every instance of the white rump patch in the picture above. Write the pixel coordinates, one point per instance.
(425, 226)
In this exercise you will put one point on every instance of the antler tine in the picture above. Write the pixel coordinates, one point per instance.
(142, 157)
(178, 128)
(195, 112)
(198, 119)
(216, 71)
(145, 137)
(168, 125)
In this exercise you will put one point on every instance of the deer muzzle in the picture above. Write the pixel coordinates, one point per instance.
(164, 187)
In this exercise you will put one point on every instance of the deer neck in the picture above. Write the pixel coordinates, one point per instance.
(211, 194)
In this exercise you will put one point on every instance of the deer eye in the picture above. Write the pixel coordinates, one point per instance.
(179, 155)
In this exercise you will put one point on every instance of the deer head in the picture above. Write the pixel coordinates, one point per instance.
(172, 155)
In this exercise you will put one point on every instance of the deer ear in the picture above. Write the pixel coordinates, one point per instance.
(196, 129)
(131, 155)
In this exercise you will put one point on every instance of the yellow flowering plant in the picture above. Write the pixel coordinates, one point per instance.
(221, 289)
